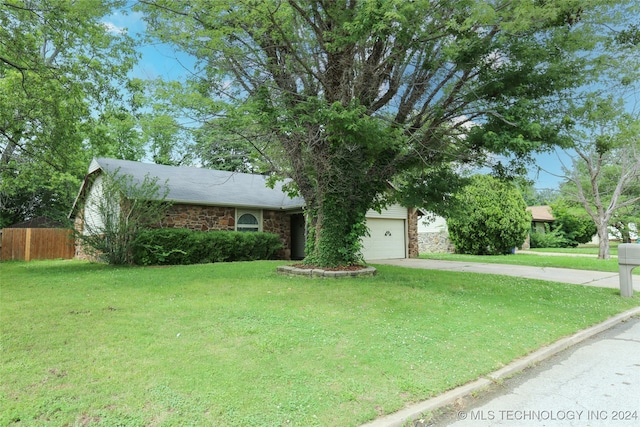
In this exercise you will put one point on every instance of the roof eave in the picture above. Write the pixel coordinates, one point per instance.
(235, 205)
(83, 188)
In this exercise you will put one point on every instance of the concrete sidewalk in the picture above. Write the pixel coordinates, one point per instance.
(563, 275)
(591, 378)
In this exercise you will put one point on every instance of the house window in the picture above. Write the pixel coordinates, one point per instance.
(248, 221)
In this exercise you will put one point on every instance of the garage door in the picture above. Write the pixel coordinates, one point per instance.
(387, 239)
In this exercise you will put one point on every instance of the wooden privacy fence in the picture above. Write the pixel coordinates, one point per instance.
(37, 243)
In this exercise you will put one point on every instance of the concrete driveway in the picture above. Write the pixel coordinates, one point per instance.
(563, 275)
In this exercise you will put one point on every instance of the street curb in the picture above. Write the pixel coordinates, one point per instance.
(406, 416)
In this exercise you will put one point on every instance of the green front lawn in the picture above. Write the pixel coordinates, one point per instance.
(237, 344)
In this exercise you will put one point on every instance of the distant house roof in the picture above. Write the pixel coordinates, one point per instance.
(38, 222)
(193, 185)
(541, 213)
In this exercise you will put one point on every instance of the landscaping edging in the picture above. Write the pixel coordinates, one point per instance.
(290, 270)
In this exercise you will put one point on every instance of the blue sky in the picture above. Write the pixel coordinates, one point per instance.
(550, 166)
(158, 60)
(162, 61)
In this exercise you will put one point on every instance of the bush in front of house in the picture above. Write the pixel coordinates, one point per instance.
(111, 221)
(549, 239)
(175, 246)
(572, 223)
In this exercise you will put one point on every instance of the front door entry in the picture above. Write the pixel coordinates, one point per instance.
(297, 236)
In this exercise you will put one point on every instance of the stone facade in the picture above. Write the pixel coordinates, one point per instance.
(200, 218)
(412, 233)
(219, 218)
(279, 223)
(81, 252)
(437, 242)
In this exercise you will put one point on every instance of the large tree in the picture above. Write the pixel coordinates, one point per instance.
(61, 70)
(603, 173)
(605, 170)
(356, 93)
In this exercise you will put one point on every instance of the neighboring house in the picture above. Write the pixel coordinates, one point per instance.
(210, 200)
(433, 235)
(541, 220)
(614, 235)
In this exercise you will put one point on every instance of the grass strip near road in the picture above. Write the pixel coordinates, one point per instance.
(237, 344)
(575, 262)
(586, 249)
(613, 250)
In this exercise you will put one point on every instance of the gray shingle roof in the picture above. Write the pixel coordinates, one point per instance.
(194, 185)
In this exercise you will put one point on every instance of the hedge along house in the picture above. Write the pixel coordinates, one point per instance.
(213, 200)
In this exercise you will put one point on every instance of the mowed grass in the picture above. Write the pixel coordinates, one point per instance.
(239, 345)
(541, 260)
(585, 249)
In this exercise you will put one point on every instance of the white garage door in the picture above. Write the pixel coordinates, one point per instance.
(387, 239)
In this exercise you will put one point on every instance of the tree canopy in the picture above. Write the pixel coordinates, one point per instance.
(605, 171)
(572, 224)
(356, 93)
(60, 69)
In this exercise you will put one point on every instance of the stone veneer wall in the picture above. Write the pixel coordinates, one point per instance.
(218, 218)
(437, 242)
(78, 225)
(200, 218)
(279, 223)
(213, 218)
(412, 232)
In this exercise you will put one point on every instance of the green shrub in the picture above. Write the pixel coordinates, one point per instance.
(574, 224)
(161, 247)
(173, 246)
(491, 218)
(112, 222)
(550, 239)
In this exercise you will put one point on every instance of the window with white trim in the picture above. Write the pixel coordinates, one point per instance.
(250, 221)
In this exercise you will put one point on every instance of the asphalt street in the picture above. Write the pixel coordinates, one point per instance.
(596, 383)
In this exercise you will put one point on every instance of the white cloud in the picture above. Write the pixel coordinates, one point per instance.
(112, 28)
